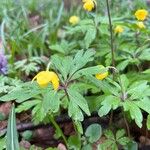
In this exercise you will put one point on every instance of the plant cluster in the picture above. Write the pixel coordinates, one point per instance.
(90, 59)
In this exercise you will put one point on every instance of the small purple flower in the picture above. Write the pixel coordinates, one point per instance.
(3, 63)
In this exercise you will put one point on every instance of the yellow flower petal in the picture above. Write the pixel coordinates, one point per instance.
(89, 5)
(74, 20)
(119, 29)
(55, 84)
(45, 77)
(141, 14)
(101, 76)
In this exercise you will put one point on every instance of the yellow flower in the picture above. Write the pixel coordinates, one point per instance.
(140, 25)
(45, 77)
(89, 5)
(74, 20)
(119, 29)
(141, 14)
(101, 76)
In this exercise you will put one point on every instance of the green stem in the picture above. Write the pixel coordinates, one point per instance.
(52, 120)
(48, 66)
(127, 126)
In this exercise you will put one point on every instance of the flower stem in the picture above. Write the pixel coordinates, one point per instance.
(127, 126)
(111, 35)
(112, 49)
(52, 120)
(48, 66)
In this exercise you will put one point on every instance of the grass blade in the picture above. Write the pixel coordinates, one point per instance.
(12, 136)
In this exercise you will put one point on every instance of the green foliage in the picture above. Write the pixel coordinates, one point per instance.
(51, 101)
(7, 84)
(148, 122)
(12, 135)
(27, 135)
(64, 47)
(34, 33)
(93, 132)
(132, 146)
(78, 100)
(87, 27)
(29, 65)
(108, 103)
(74, 142)
(132, 97)
(113, 141)
(24, 92)
(2, 143)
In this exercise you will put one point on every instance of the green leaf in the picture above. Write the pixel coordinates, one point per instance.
(89, 71)
(12, 137)
(143, 104)
(146, 71)
(79, 100)
(94, 102)
(86, 71)
(122, 65)
(79, 127)
(27, 135)
(51, 101)
(138, 90)
(64, 47)
(68, 66)
(148, 122)
(27, 105)
(87, 147)
(93, 132)
(132, 146)
(80, 60)
(38, 113)
(120, 137)
(27, 91)
(109, 135)
(90, 36)
(104, 110)
(135, 112)
(103, 85)
(2, 143)
(75, 112)
(108, 103)
(123, 141)
(145, 55)
(119, 134)
(62, 64)
(108, 144)
(124, 81)
(86, 27)
(74, 142)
